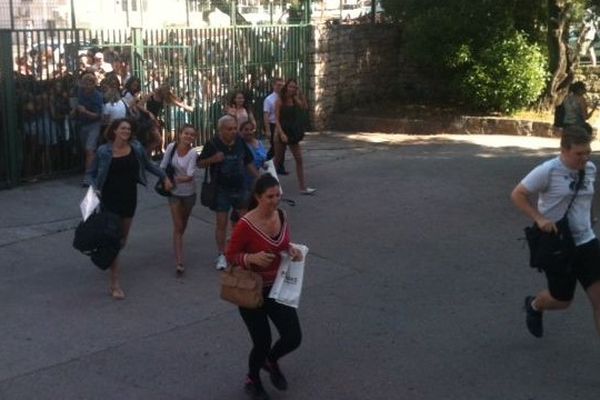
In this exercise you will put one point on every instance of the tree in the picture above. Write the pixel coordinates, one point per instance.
(451, 37)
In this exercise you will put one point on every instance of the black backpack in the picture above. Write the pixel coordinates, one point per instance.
(559, 115)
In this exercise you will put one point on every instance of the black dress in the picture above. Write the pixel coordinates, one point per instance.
(119, 193)
(292, 123)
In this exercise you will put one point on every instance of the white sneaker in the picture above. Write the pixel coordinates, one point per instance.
(308, 191)
(221, 263)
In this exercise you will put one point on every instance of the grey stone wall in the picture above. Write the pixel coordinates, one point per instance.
(357, 64)
(591, 76)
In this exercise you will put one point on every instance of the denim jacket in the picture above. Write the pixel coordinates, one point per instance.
(99, 170)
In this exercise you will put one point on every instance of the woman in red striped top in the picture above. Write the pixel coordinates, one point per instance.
(256, 243)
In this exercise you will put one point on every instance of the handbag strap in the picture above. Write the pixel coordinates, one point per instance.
(213, 176)
(173, 150)
(578, 186)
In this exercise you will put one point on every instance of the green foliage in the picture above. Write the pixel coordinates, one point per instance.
(473, 45)
(507, 76)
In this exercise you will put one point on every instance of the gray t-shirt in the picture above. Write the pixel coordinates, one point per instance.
(554, 184)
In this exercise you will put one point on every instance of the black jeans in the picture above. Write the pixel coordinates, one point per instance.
(285, 320)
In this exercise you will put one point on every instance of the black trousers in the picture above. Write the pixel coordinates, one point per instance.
(285, 320)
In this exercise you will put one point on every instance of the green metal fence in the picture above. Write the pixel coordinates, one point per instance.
(38, 71)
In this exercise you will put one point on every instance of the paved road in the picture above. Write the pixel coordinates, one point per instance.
(413, 289)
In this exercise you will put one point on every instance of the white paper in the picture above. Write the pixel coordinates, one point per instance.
(89, 203)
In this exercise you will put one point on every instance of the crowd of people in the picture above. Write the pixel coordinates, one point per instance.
(236, 160)
(61, 108)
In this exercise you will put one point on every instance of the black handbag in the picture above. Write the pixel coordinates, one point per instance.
(170, 171)
(99, 237)
(208, 192)
(549, 251)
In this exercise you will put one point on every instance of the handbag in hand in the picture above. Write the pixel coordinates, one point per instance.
(242, 287)
(208, 192)
(553, 251)
(170, 171)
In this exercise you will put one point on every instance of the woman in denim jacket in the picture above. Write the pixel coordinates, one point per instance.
(119, 166)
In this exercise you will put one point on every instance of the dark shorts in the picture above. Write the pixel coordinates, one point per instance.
(586, 270)
(228, 199)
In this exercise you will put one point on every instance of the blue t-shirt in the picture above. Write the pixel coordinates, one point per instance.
(260, 156)
(92, 102)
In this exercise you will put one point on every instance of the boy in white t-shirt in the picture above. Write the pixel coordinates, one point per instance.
(555, 182)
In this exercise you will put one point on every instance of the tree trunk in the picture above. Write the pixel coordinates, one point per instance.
(562, 60)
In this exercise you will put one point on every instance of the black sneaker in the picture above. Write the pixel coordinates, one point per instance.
(277, 378)
(254, 388)
(534, 318)
(282, 171)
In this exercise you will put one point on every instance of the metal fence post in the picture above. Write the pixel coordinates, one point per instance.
(137, 52)
(12, 146)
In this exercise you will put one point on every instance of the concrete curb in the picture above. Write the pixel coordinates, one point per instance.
(471, 125)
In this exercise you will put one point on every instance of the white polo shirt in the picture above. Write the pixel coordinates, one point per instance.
(554, 184)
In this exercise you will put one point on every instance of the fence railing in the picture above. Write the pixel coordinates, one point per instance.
(39, 70)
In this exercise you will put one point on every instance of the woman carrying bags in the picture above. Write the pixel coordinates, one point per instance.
(256, 243)
(118, 167)
(182, 158)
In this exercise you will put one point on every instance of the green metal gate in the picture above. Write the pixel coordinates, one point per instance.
(203, 67)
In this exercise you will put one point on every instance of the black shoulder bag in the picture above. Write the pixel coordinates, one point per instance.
(553, 251)
(208, 191)
(170, 171)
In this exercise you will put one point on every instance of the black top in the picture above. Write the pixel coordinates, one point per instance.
(292, 122)
(154, 106)
(229, 173)
(119, 193)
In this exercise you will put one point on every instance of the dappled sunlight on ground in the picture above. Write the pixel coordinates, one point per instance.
(493, 141)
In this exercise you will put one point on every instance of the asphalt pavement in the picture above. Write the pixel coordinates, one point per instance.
(413, 288)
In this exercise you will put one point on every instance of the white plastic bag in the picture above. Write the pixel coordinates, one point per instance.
(287, 287)
(89, 203)
(269, 168)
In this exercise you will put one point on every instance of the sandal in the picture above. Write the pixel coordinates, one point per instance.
(308, 191)
(117, 293)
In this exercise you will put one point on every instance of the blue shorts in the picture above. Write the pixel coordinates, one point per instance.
(228, 199)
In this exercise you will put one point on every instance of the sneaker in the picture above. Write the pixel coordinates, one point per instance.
(221, 263)
(308, 191)
(282, 171)
(255, 389)
(277, 378)
(534, 318)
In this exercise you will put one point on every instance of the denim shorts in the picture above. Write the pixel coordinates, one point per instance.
(228, 199)
(186, 201)
(89, 134)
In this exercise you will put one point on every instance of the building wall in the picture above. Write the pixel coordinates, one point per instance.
(360, 64)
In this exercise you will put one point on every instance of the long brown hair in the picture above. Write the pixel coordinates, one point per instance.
(262, 184)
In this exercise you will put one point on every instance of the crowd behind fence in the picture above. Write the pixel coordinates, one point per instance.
(203, 67)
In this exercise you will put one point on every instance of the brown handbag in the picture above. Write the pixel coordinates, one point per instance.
(242, 287)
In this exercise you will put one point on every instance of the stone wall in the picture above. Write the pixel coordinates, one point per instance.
(591, 76)
(358, 64)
